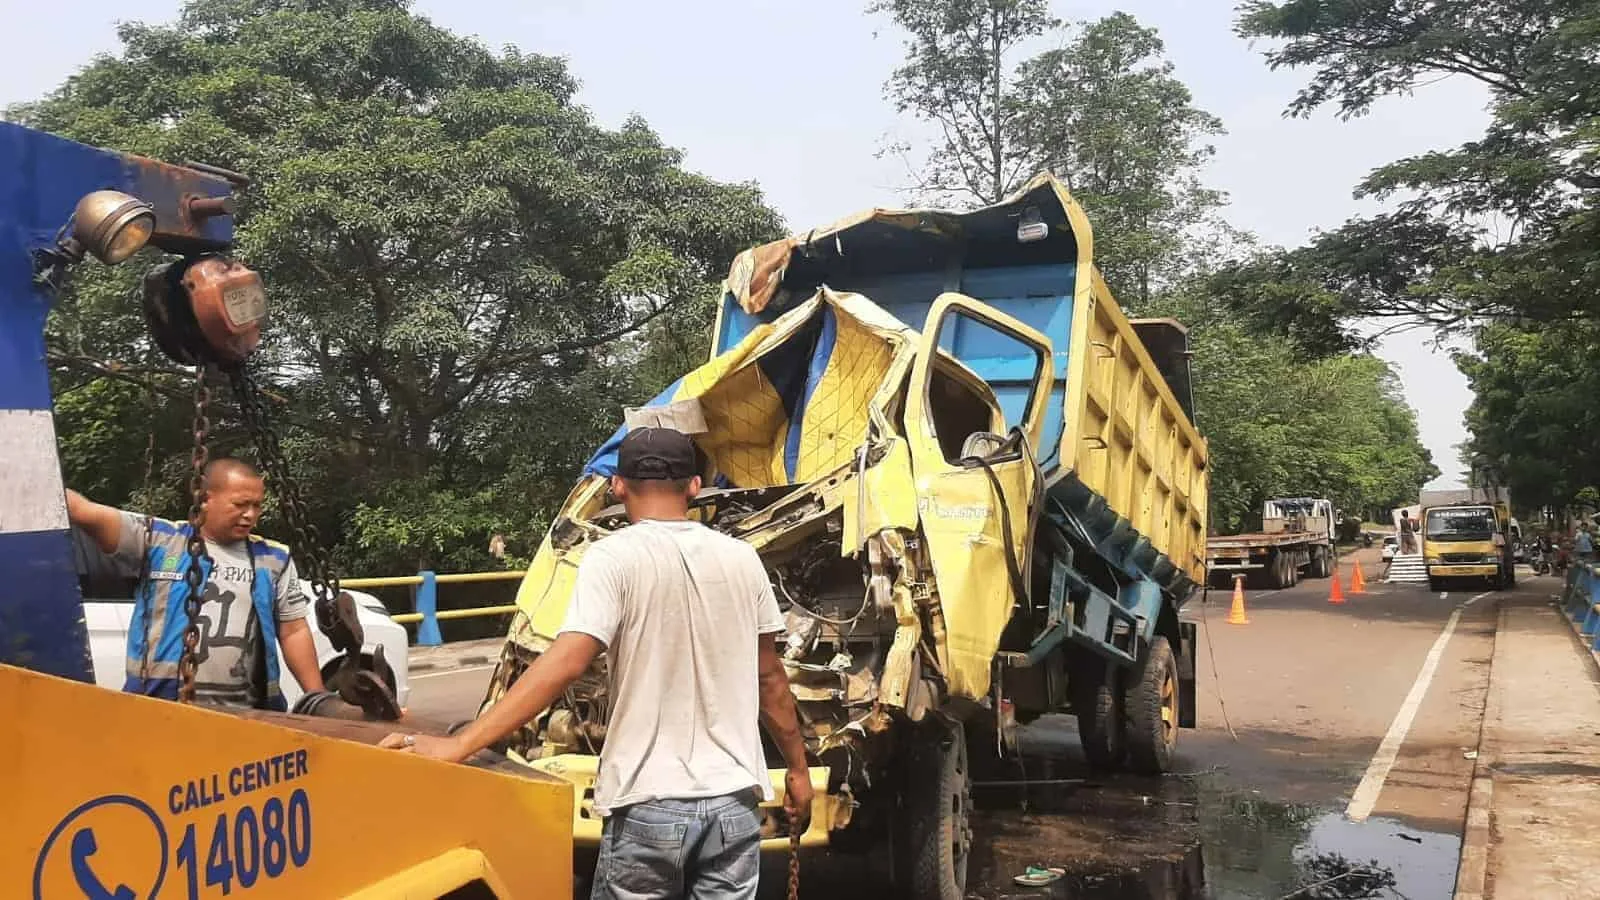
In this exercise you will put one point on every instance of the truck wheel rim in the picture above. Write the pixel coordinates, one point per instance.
(960, 813)
(1169, 708)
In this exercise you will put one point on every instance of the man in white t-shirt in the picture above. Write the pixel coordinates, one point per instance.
(689, 623)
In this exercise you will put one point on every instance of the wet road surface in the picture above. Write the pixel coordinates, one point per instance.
(1259, 812)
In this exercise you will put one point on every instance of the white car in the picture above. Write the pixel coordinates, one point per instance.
(108, 609)
(1391, 544)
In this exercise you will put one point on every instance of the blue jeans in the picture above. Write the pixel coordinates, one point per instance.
(668, 849)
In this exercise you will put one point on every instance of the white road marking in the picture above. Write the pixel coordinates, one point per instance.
(421, 675)
(1366, 795)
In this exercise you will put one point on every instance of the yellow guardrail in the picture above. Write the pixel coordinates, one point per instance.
(425, 598)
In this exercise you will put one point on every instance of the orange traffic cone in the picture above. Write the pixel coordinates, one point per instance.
(1236, 614)
(1358, 581)
(1336, 594)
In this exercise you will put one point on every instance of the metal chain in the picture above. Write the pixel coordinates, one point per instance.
(310, 554)
(194, 576)
(794, 861)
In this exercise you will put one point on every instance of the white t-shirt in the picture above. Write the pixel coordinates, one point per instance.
(680, 608)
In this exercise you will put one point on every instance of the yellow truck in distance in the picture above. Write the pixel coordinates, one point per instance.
(1467, 541)
(980, 498)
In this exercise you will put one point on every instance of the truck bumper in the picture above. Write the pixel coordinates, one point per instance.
(1477, 571)
(828, 811)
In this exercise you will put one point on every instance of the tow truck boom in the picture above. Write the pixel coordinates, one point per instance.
(116, 795)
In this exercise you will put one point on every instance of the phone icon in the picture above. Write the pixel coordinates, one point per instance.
(83, 847)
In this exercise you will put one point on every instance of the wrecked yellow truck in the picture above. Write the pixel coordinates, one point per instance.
(978, 492)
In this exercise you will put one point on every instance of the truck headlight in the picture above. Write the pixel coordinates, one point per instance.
(1433, 560)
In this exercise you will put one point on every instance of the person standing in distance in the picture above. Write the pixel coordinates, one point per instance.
(689, 624)
(251, 603)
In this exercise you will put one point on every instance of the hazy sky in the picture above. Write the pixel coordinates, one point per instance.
(789, 95)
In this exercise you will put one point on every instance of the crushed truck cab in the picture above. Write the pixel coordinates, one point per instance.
(978, 494)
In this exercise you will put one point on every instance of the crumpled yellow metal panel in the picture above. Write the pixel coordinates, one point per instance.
(837, 414)
(747, 429)
(961, 520)
(189, 800)
(828, 811)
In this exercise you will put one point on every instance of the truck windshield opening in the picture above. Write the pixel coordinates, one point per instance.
(1460, 524)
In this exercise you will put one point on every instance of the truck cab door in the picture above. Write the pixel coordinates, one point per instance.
(977, 480)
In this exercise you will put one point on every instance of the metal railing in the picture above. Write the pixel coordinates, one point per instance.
(1581, 600)
(425, 599)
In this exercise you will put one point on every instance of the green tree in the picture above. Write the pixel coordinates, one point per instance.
(455, 252)
(959, 75)
(1533, 171)
(1104, 111)
(1107, 113)
(1282, 423)
(1533, 424)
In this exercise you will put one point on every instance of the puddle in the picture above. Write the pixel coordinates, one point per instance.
(1176, 839)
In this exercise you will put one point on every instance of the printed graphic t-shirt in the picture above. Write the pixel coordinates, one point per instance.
(227, 617)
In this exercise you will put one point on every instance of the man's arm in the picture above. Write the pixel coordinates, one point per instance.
(300, 653)
(782, 720)
(294, 629)
(544, 681)
(102, 523)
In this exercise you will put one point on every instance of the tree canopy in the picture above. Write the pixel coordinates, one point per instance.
(1501, 234)
(457, 257)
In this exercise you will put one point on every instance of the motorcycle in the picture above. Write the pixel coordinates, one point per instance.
(1538, 561)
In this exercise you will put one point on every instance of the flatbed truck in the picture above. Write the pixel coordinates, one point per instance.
(1295, 540)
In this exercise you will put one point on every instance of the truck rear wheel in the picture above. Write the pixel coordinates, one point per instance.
(934, 837)
(1151, 707)
(1280, 572)
(1098, 704)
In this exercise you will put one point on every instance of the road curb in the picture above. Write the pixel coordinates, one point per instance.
(479, 652)
(458, 662)
(1472, 869)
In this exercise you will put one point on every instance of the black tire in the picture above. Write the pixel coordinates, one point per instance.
(1434, 584)
(1150, 705)
(1294, 571)
(1319, 564)
(1099, 707)
(934, 840)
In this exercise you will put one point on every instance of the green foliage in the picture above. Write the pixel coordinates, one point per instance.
(1107, 113)
(1104, 111)
(1534, 420)
(456, 257)
(1533, 170)
(1532, 288)
(1280, 423)
(959, 75)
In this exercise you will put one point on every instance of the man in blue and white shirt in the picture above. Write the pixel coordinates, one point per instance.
(251, 603)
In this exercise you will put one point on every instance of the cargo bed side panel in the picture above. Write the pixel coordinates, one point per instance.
(1127, 438)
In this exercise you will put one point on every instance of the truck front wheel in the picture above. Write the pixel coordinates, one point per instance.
(934, 837)
(1151, 707)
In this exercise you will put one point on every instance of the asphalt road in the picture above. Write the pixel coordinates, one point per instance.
(1321, 756)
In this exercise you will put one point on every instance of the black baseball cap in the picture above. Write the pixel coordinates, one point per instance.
(657, 454)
